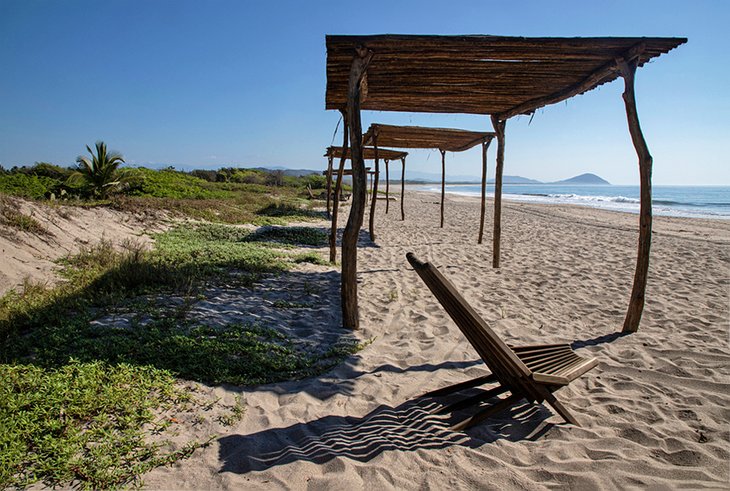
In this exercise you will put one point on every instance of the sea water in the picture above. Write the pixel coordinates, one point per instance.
(684, 201)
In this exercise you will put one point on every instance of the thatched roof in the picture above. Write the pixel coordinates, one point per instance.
(420, 137)
(497, 75)
(368, 153)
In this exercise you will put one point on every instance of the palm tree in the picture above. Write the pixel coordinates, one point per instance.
(100, 173)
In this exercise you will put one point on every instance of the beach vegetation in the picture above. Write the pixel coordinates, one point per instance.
(309, 257)
(16, 220)
(28, 186)
(88, 401)
(99, 174)
(83, 422)
(227, 195)
(392, 296)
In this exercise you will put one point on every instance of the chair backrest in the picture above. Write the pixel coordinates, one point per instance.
(500, 359)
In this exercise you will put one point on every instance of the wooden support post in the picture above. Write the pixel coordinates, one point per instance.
(387, 187)
(485, 146)
(338, 190)
(329, 185)
(499, 127)
(370, 188)
(348, 292)
(636, 304)
(403, 189)
(374, 197)
(443, 183)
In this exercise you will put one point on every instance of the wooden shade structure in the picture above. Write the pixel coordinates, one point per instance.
(343, 153)
(498, 76)
(442, 139)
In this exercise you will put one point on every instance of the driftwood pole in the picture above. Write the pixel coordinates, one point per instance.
(348, 292)
(499, 127)
(636, 304)
(485, 146)
(370, 187)
(443, 183)
(403, 189)
(374, 197)
(338, 190)
(387, 187)
(329, 184)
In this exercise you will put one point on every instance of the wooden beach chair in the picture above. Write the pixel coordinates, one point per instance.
(526, 372)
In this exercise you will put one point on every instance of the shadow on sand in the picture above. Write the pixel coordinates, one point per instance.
(408, 427)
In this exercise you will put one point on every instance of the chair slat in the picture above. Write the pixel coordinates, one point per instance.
(553, 360)
(537, 356)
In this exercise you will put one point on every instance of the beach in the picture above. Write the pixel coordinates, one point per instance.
(654, 412)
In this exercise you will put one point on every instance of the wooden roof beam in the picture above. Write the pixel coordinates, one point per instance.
(590, 82)
(484, 139)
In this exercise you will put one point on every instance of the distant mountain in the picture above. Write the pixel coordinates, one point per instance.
(587, 178)
(428, 177)
(516, 180)
(289, 172)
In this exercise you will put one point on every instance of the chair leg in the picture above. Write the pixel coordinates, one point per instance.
(558, 406)
(484, 379)
(490, 411)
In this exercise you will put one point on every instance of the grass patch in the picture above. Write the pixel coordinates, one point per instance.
(81, 423)
(21, 222)
(78, 399)
(308, 236)
(281, 213)
(309, 257)
(169, 183)
(286, 304)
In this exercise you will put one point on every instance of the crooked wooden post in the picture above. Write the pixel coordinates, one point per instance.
(374, 197)
(485, 146)
(499, 127)
(369, 192)
(348, 292)
(403, 189)
(387, 187)
(329, 183)
(443, 183)
(636, 304)
(338, 190)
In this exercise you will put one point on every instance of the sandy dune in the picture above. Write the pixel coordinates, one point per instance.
(66, 230)
(655, 411)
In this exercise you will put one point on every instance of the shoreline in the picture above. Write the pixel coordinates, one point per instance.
(608, 203)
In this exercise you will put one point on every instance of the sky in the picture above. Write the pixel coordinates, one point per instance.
(241, 83)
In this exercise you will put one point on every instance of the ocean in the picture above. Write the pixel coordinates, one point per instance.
(681, 201)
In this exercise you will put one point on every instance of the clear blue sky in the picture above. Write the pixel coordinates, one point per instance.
(208, 84)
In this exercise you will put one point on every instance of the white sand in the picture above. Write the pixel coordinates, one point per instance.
(654, 413)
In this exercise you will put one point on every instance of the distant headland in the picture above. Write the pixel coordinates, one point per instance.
(583, 179)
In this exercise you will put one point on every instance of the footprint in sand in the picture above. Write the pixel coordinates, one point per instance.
(440, 330)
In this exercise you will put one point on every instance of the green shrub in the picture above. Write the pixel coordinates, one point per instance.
(315, 181)
(170, 184)
(248, 176)
(46, 170)
(27, 185)
(205, 174)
